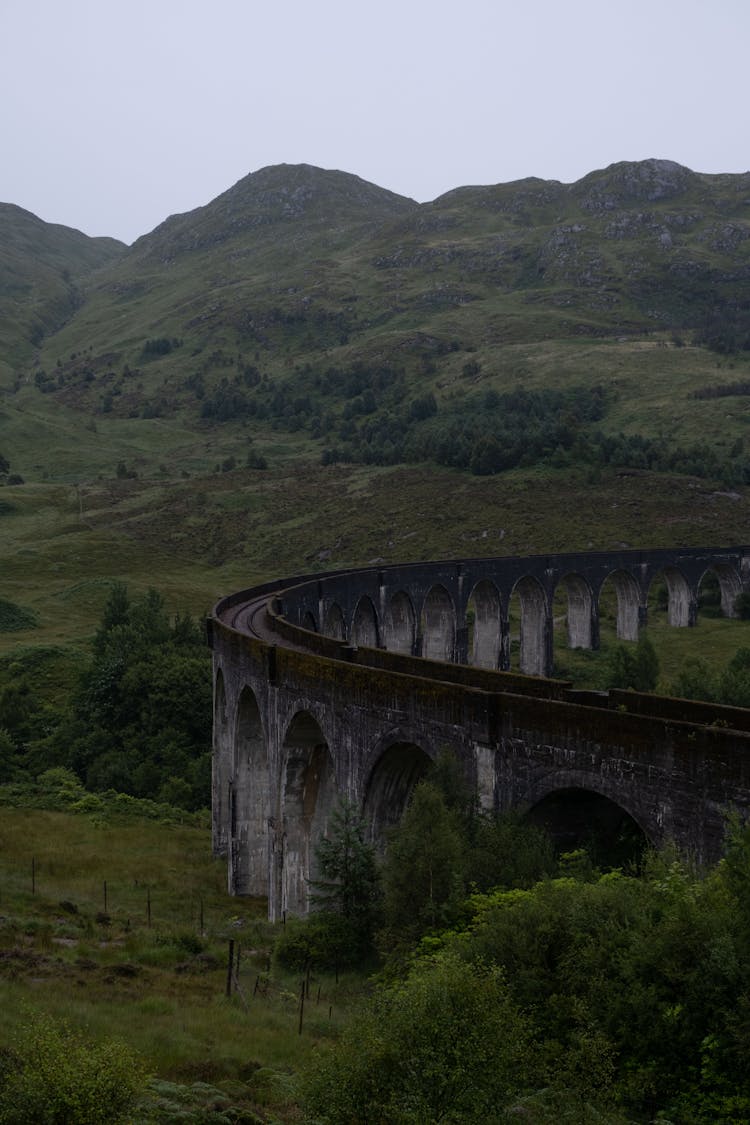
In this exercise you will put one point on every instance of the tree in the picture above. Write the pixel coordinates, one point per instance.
(348, 883)
(637, 669)
(696, 680)
(50, 1074)
(734, 681)
(141, 715)
(423, 868)
(445, 1045)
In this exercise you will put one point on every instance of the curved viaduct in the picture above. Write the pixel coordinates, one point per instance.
(350, 682)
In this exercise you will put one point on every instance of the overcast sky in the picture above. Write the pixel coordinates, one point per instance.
(117, 113)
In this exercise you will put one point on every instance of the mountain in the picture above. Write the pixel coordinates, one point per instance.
(241, 309)
(41, 269)
(263, 382)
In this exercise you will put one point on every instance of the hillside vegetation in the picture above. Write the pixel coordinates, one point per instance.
(313, 371)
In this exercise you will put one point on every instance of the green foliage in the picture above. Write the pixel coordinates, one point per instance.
(447, 1044)
(14, 618)
(50, 1075)
(346, 897)
(696, 680)
(729, 685)
(59, 789)
(423, 869)
(348, 882)
(140, 720)
(159, 346)
(645, 972)
(734, 681)
(507, 851)
(637, 669)
(323, 940)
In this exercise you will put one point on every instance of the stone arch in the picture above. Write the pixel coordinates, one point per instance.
(484, 625)
(628, 614)
(221, 770)
(580, 614)
(309, 622)
(251, 802)
(438, 625)
(681, 605)
(534, 657)
(577, 817)
(730, 586)
(364, 629)
(395, 772)
(333, 625)
(308, 794)
(400, 624)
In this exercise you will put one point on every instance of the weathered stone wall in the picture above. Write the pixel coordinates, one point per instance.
(301, 718)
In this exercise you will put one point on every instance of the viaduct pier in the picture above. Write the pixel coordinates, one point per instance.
(348, 683)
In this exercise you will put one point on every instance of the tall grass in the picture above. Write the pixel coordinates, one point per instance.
(160, 987)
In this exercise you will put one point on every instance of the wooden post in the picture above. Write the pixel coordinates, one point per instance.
(230, 966)
(202, 928)
(301, 1007)
(105, 896)
(33, 875)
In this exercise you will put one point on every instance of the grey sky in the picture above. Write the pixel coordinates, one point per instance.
(116, 114)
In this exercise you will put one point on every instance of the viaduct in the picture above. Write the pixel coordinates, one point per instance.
(350, 682)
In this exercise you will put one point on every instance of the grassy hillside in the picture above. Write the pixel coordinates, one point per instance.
(41, 268)
(148, 964)
(465, 368)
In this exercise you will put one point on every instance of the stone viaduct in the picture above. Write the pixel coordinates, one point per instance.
(350, 682)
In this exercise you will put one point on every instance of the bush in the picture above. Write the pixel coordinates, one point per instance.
(322, 940)
(49, 1075)
(446, 1045)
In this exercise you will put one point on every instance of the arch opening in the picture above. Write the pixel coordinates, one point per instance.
(309, 622)
(718, 590)
(438, 625)
(583, 819)
(390, 786)
(333, 624)
(671, 587)
(251, 802)
(365, 624)
(484, 625)
(308, 797)
(399, 626)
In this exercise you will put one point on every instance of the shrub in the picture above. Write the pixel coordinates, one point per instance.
(50, 1075)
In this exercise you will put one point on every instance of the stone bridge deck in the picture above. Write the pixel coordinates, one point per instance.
(350, 683)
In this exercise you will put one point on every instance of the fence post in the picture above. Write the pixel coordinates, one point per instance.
(301, 1006)
(230, 965)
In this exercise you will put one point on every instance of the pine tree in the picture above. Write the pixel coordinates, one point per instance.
(348, 883)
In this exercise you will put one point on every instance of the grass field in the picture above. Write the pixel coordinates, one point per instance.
(158, 985)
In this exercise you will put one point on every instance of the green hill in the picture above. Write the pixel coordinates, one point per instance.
(41, 269)
(311, 370)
